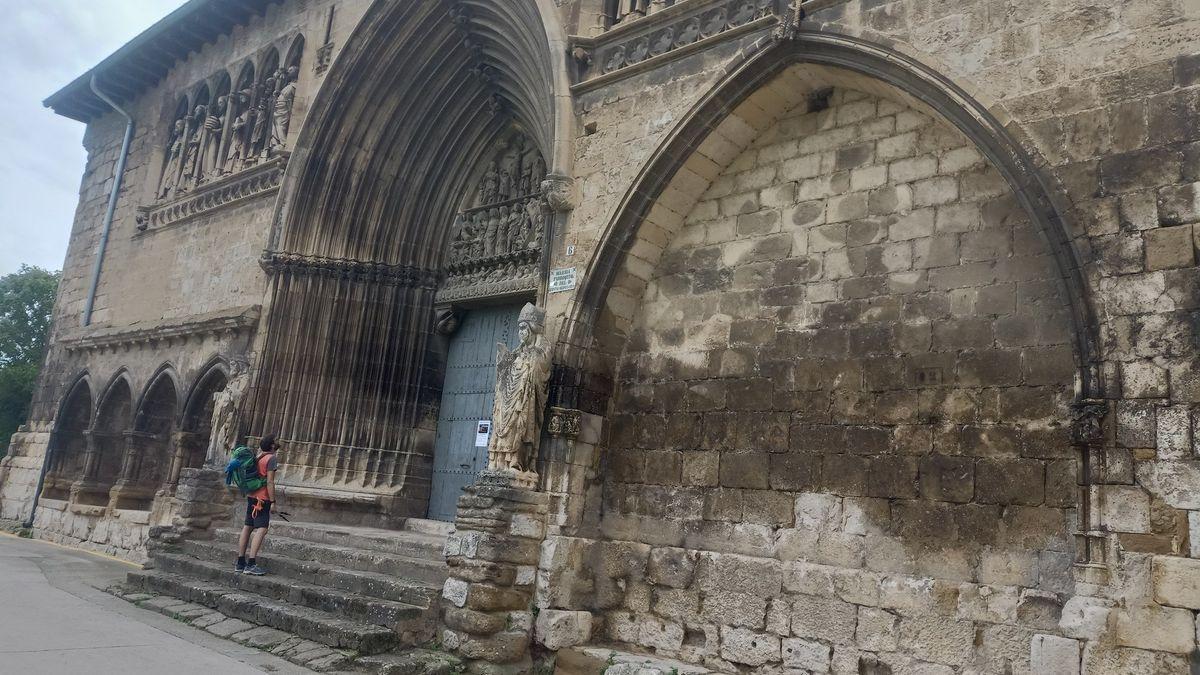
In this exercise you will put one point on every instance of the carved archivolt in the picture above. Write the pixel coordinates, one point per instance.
(233, 121)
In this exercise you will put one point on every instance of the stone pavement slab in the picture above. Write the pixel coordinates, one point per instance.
(55, 618)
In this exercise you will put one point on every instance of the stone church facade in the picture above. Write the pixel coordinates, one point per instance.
(873, 326)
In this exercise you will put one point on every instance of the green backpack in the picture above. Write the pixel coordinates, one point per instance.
(242, 470)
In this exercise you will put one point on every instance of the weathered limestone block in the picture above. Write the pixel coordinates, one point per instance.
(1173, 482)
(1156, 628)
(672, 567)
(938, 639)
(827, 619)
(740, 645)
(474, 622)
(877, 630)
(658, 634)
(1176, 582)
(1126, 508)
(1085, 618)
(808, 655)
(1051, 655)
(1103, 659)
(558, 629)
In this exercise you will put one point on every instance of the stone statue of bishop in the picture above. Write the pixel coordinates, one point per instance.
(522, 376)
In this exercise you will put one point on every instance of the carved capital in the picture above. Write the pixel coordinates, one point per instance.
(559, 192)
(1087, 421)
(563, 422)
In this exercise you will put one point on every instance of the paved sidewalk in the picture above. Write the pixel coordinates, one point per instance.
(55, 618)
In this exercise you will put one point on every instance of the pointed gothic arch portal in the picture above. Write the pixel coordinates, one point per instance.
(375, 215)
(774, 75)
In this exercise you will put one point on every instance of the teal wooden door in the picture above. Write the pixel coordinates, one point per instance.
(466, 400)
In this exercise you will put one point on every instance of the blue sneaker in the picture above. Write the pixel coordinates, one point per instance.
(254, 570)
(238, 568)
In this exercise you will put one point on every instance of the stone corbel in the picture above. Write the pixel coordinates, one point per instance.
(559, 192)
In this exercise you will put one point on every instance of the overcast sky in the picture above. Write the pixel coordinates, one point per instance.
(44, 44)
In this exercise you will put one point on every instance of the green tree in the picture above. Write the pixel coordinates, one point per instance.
(26, 302)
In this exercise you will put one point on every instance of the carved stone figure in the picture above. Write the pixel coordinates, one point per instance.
(490, 233)
(214, 124)
(223, 433)
(508, 176)
(490, 184)
(509, 223)
(522, 376)
(191, 150)
(240, 131)
(531, 229)
(281, 117)
(170, 176)
(262, 118)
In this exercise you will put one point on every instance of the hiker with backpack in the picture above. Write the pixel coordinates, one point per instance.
(254, 474)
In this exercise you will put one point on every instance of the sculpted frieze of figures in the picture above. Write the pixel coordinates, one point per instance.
(497, 244)
(231, 122)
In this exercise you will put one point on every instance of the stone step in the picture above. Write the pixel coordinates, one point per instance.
(302, 652)
(395, 542)
(430, 570)
(590, 659)
(310, 624)
(399, 616)
(391, 582)
(437, 528)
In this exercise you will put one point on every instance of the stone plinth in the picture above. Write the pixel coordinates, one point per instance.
(200, 498)
(493, 559)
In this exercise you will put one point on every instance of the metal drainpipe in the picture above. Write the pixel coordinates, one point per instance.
(91, 296)
(112, 201)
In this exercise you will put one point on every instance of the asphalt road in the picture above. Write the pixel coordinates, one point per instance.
(55, 618)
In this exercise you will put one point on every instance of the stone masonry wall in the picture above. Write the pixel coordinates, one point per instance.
(845, 389)
(1104, 96)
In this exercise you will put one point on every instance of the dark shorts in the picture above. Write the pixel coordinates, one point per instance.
(263, 519)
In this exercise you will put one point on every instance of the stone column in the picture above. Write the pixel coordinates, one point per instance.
(493, 558)
(1090, 435)
(184, 445)
(129, 490)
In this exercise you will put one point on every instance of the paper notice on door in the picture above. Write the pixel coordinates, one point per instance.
(483, 433)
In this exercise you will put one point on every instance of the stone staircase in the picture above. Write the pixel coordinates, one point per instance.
(359, 590)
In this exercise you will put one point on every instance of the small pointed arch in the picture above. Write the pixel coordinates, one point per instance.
(198, 409)
(114, 418)
(268, 64)
(68, 443)
(295, 52)
(78, 392)
(159, 401)
(245, 76)
(198, 406)
(221, 84)
(119, 384)
(202, 97)
(182, 107)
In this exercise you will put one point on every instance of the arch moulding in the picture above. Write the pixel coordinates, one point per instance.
(593, 330)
